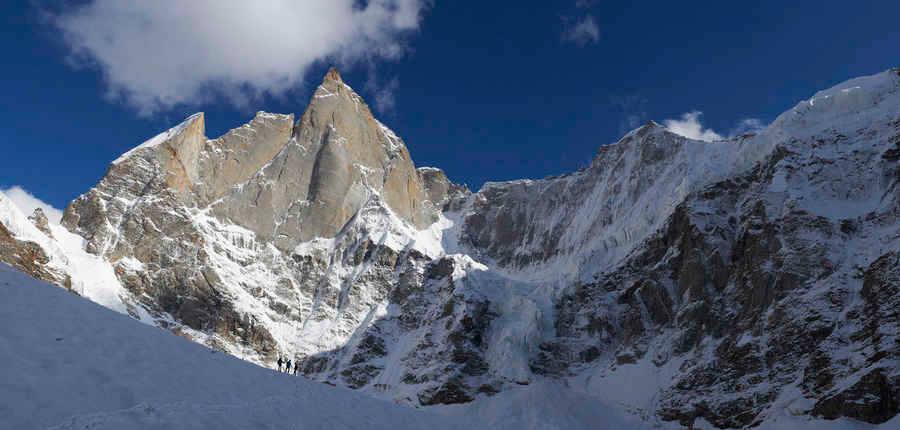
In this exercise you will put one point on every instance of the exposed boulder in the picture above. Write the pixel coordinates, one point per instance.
(40, 221)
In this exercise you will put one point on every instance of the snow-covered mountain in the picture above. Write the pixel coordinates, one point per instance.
(729, 283)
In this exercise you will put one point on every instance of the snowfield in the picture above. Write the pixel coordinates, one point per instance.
(67, 363)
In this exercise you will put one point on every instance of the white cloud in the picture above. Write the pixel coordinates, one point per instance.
(689, 126)
(583, 31)
(161, 53)
(27, 203)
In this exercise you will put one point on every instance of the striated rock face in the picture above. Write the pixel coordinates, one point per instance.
(335, 158)
(682, 280)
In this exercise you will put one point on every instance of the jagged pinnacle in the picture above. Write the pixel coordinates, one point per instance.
(333, 75)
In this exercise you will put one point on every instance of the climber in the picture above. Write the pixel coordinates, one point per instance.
(287, 369)
(296, 366)
(280, 362)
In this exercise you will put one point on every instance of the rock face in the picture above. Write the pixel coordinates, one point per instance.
(26, 256)
(185, 210)
(723, 281)
(21, 247)
(334, 159)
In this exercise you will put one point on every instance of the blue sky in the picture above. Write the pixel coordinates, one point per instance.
(484, 90)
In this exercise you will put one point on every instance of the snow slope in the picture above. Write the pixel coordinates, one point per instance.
(67, 363)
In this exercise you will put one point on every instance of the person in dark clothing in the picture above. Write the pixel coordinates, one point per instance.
(280, 362)
(296, 367)
(287, 369)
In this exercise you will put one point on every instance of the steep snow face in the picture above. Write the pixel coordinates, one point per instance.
(840, 137)
(721, 274)
(573, 226)
(844, 107)
(568, 228)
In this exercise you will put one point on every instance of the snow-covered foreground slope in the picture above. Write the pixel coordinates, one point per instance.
(68, 363)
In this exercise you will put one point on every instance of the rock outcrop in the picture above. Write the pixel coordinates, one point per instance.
(25, 256)
(19, 247)
(40, 221)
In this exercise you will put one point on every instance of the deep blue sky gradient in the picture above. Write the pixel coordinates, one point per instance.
(488, 91)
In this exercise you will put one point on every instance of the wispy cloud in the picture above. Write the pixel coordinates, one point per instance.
(581, 28)
(158, 54)
(385, 101)
(689, 125)
(382, 93)
(582, 31)
(27, 203)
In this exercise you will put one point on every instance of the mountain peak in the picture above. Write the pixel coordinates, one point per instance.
(333, 75)
(194, 125)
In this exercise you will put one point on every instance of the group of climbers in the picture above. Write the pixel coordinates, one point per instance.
(287, 366)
